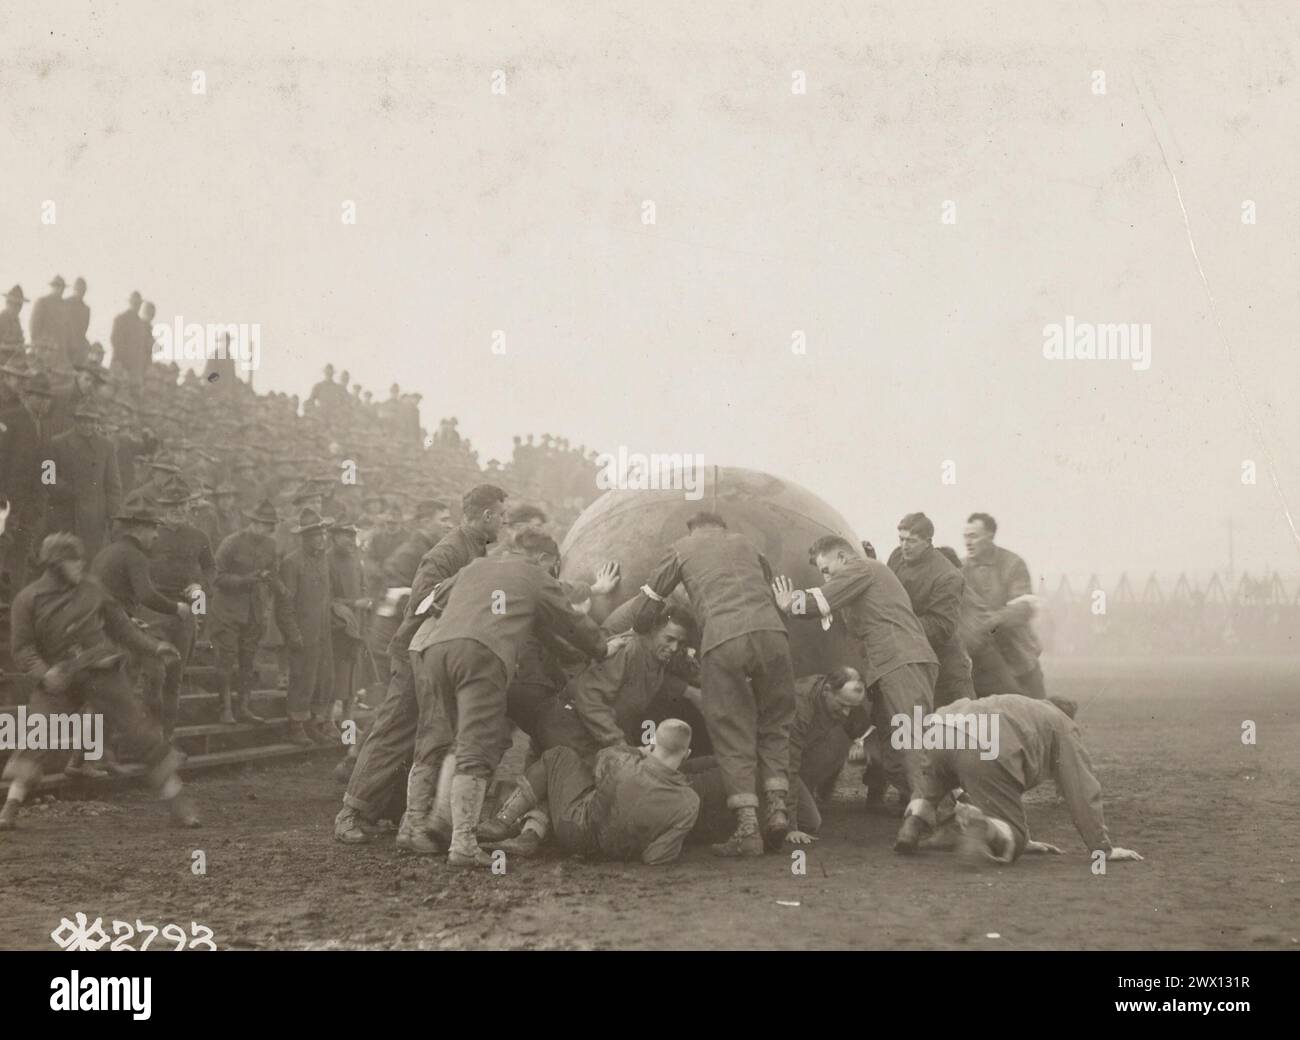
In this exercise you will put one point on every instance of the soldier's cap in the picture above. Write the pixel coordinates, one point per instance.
(225, 489)
(57, 282)
(310, 520)
(87, 411)
(38, 386)
(138, 510)
(16, 293)
(344, 523)
(164, 462)
(264, 513)
(59, 547)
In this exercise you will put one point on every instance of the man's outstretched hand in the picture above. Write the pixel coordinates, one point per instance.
(1117, 853)
(783, 590)
(607, 579)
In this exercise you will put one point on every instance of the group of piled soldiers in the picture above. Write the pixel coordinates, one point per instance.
(491, 642)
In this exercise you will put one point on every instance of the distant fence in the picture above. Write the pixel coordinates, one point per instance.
(1259, 616)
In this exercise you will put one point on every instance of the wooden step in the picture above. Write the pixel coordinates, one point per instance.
(193, 764)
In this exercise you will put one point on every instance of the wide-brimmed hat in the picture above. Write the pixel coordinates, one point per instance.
(38, 385)
(264, 513)
(164, 462)
(225, 489)
(99, 372)
(344, 523)
(87, 410)
(57, 282)
(138, 510)
(310, 520)
(16, 293)
(175, 493)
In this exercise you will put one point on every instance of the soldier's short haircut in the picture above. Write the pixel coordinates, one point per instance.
(989, 523)
(678, 614)
(705, 519)
(673, 735)
(481, 498)
(918, 524)
(829, 543)
(841, 677)
(537, 542)
(523, 513)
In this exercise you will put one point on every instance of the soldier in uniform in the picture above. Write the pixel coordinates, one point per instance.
(11, 327)
(180, 566)
(466, 652)
(305, 575)
(68, 636)
(893, 651)
(76, 322)
(350, 606)
(390, 740)
(48, 317)
(24, 452)
(246, 572)
(935, 588)
(745, 670)
(86, 490)
(635, 805)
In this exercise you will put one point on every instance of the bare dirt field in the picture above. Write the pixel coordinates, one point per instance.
(1218, 822)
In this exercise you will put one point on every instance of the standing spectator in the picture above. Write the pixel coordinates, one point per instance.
(1002, 580)
(48, 317)
(11, 327)
(76, 313)
(24, 451)
(305, 575)
(86, 490)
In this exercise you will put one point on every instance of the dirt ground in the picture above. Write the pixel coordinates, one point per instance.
(1218, 823)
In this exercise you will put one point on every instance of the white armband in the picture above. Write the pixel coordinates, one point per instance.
(651, 594)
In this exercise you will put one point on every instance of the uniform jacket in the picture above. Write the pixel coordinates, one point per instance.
(87, 490)
(641, 808)
(404, 561)
(76, 314)
(999, 576)
(11, 329)
(132, 342)
(611, 696)
(48, 320)
(24, 447)
(181, 557)
(936, 589)
(347, 585)
(728, 581)
(496, 601)
(306, 581)
(239, 598)
(122, 568)
(1038, 741)
(875, 611)
(51, 621)
(455, 549)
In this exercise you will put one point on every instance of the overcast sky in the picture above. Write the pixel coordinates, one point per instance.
(774, 212)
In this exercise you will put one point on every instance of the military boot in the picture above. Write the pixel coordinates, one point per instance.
(776, 824)
(505, 824)
(745, 841)
(467, 794)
